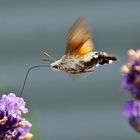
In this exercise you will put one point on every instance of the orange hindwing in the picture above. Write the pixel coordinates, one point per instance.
(79, 39)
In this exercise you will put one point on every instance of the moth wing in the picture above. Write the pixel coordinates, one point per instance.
(79, 39)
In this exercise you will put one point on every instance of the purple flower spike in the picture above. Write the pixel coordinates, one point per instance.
(12, 125)
(131, 74)
(13, 105)
(132, 112)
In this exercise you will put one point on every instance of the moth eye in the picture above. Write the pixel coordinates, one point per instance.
(55, 66)
(94, 54)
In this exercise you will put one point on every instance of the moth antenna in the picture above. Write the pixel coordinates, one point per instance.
(50, 57)
(48, 60)
(25, 80)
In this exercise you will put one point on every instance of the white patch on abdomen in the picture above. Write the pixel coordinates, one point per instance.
(94, 54)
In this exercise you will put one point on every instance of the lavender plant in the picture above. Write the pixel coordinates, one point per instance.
(131, 74)
(132, 112)
(12, 125)
(131, 83)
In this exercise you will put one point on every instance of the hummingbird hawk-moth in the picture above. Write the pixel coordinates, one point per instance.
(80, 56)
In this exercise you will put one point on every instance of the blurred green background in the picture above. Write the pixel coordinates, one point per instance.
(64, 108)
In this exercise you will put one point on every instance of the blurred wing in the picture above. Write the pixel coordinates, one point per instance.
(79, 39)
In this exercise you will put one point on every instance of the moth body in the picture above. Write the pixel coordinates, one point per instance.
(88, 63)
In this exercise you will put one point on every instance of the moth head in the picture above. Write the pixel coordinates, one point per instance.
(55, 65)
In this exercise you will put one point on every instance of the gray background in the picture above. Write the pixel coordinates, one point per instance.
(64, 108)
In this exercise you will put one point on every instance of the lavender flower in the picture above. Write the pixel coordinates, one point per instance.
(131, 73)
(132, 112)
(12, 125)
